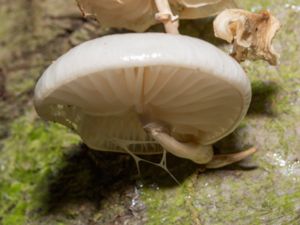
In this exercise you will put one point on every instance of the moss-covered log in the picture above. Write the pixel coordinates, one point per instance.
(48, 177)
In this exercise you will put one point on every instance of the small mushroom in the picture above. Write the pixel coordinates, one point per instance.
(135, 15)
(250, 33)
(138, 15)
(142, 93)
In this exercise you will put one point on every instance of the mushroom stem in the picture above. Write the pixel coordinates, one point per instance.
(198, 153)
(166, 16)
(227, 159)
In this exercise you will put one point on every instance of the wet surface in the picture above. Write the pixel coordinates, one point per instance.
(48, 177)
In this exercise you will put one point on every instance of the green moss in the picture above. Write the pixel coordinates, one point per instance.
(33, 158)
(173, 210)
(31, 153)
(269, 194)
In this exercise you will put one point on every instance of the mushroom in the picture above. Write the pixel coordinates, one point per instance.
(146, 93)
(138, 15)
(250, 33)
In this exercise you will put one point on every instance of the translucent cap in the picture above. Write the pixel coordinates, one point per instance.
(103, 88)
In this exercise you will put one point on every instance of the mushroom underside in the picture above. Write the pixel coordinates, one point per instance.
(110, 89)
(108, 106)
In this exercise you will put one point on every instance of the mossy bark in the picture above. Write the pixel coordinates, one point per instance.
(48, 177)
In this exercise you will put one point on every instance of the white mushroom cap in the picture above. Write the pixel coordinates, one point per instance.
(138, 15)
(103, 88)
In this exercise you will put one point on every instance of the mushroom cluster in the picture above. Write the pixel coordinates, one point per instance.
(148, 93)
(138, 15)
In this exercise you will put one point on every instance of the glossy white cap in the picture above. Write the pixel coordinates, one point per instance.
(103, 88)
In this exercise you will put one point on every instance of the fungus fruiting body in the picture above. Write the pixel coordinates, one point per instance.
(141, 90)
(154, 92)
(250, 33)
(138, 15)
